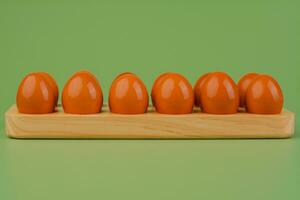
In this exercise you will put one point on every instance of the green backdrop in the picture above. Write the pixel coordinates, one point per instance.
(148, 38)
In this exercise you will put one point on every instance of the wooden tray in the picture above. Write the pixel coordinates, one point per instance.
(149, 125)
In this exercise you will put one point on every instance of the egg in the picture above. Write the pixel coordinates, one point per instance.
(154, 86)
(128, 95)
(82, 94)
(173, 94)
(219, 94)
(197, 89)
(264, 96)
(243, 85)
(52, 84)
(35, 95)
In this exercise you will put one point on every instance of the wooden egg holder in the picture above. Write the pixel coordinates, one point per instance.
(150, 125)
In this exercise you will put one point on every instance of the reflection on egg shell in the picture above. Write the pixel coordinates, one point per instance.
(35, 95)
(82, 94)
(243, 86)
(51, 81)
(219, 94)
(173, 94)
(154, 86)
(197, 89)
(128, 95)
(264, 96)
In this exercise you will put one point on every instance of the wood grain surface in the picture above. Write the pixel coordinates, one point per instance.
(150, 125)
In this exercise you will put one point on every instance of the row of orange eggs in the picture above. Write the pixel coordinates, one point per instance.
(214, 93)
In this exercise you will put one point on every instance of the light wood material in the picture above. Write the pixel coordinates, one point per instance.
(149, 125)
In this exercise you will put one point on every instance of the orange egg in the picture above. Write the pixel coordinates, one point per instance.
(35, 95)
(128, 95)
(197, 88)
(82, 94)
(52, 84)
(219, 94)
(264, 96)
(154, 87)
(243, 85)
(173, 94)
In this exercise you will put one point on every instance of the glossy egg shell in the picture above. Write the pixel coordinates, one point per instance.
(35, 95)
(264, 96)
(52, 84)
(82, 94)
(243, 85)
(174, 95)
(197, 88)
(128, 95)
(219, 94)
(154, 86)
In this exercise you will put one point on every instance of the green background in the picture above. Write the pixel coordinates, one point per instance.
(148, 38)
